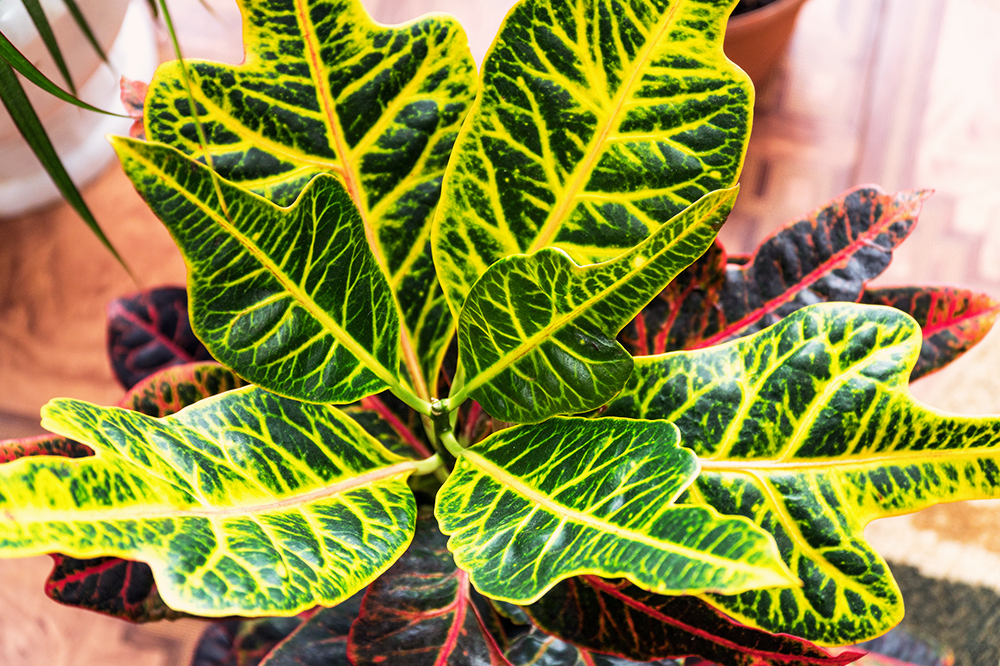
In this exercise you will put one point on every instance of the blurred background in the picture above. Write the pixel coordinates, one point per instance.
(901, 93)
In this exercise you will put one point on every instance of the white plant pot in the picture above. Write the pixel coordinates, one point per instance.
(125, 30)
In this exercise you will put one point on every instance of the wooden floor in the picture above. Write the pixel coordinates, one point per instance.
(903, 93)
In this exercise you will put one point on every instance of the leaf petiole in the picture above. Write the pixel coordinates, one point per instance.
(428, 465)
(451, 444)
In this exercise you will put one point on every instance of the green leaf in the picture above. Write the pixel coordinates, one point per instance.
(37, 14)
(291, 299)
(808, 429)
(951, 320)
(324, 89)
(422, 611)
(614, 617)
(21, 112)
(81, 22)
(532, 505)
(242, 504)
(537, 333)
(596, 122)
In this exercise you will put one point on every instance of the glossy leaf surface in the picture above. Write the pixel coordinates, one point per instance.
(848, 445)
(596, 122)
(827, 255)
(324, 89)
(291, 299)
(421, 612)
(537, 649)
(321, 640)
(108, 585)
(952, 320)
(617, 618)
(532, 505)
(537, 333)
(149, 331)
(245, 503)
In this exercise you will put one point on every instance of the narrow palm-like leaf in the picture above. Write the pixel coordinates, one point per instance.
(246, 503)
(150, 331)
(37, 14)
(421, 612)
(537, 333)
(84, 25)
(324, 89)
(596, 122)
(952, 320)
(617, 618)
(532, 505)
(26, 69)
(537, 649)
(291, 299)
(828, 255)
(21, 112)
(847, 445)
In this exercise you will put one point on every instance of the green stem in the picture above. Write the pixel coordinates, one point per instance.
(450, 443)
(414, 402)
(428, 465)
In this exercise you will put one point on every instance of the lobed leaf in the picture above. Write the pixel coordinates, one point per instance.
(244, 503)
(829, 255)
(596, 122)
(537, 649)
(149, 331)
(807, 428)
(291, 299)
(952, 320)
(324, 89)
(422, 611)
(614, 617)
(532, 505)
(536, 334)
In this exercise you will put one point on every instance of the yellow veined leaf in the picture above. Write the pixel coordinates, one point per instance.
(291, 299)
(808, 429)
(535, 504)
(537, 333)
(325, 89)
(596, 121)
(245, 503)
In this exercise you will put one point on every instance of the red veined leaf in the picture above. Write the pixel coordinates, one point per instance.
(319, 641)
(952, 320)
(149, 331)
(421, 611)
(243, 642)
(42, 445)
(109, 585)
(615, 617)
(537, 649)
(828, 255)
(171, 390)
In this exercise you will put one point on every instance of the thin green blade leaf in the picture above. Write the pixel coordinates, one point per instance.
(37, 14)
(16, 102)
(26, 69)
(848, 445)
(596, 122)
(325, 89)
(532, 505)
(84, 26)
(537, 333)
(291, 299)
(242, 504)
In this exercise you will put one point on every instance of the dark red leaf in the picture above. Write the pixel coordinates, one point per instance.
(827, 256)
(620, 619)
(149, 331)
(537, 649)
(243, 642)
(421, 611)
(952, 320)
(108, 585)
(319, 641)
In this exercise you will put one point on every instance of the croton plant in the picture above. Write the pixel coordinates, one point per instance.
(488, 390)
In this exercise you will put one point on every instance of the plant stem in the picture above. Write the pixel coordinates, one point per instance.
(428, 465)
(450, 443)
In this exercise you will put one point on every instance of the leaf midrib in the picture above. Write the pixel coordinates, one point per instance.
(583, 170)
(137, 513)
(510, 482)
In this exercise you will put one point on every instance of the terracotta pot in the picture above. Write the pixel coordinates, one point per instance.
(756, 40)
